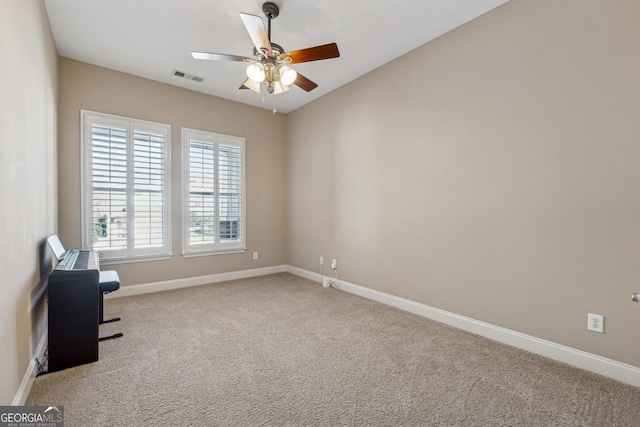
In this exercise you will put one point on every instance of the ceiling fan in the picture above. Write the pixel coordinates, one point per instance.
(270, 63)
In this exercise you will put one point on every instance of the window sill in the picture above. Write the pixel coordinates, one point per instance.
(113, 261)
(210, 253)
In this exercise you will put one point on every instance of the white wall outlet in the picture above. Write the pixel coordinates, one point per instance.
(334, 264)
(255, 255)
(321, 260)
(595, 322)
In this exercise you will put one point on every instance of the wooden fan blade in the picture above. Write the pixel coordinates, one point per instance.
(326, 51)
(255, 28)
(220, 57)
(304, 83)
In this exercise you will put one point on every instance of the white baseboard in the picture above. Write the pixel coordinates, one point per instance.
(166, 285)
(316, 277)
(610, 368)
(600, 365)
(32, 370)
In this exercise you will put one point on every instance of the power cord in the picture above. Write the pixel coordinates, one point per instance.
(42, 366)
(335, 284)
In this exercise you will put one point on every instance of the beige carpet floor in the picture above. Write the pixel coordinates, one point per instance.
(282, 350)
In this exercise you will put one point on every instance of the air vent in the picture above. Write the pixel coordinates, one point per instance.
(188, 76)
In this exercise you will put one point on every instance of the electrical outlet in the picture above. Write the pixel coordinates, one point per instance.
(334, 264)
(255, 255)
(595, 322)
(321, 260)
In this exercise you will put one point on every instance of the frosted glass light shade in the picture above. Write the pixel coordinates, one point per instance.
(250, 84)
(287, 75)
(255, 72)
(279, 88)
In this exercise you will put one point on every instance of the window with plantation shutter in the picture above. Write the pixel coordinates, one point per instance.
(214, 195)
(125, 201)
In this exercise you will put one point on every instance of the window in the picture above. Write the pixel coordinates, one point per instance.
(125, 200)
(214, 194)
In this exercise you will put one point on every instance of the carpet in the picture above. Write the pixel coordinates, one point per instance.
(280, 350)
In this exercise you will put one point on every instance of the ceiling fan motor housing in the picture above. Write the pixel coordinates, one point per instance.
(270, 10)
(274, 46)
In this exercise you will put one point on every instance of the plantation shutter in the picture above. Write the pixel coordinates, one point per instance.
(230, 190)
(214, 193)
(202, 205)
(125, 200)
(109, 186)
(149, 200)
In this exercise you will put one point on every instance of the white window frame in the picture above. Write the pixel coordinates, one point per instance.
(130, 253)
(216, 247)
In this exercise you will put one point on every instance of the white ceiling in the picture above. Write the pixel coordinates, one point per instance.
(152, 38)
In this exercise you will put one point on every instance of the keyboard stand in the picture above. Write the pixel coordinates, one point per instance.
(110, 337)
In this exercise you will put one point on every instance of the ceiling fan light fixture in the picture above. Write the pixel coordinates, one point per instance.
(270, 62)
(279, 88)
(287, 75)
(254, 86)
(255, 71)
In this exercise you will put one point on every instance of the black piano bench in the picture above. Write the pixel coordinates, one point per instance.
(109, 282)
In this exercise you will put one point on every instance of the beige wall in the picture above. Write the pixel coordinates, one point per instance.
(84, 86)
(491, 173)
(28, 96)
(500, 186)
